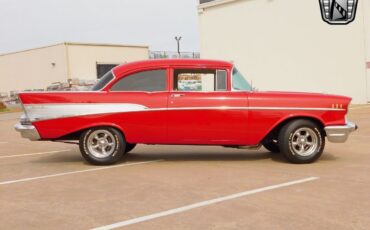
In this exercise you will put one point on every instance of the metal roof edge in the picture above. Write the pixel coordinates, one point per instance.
(203, 6)
(31, 49)
(104, 44)
(76, 44)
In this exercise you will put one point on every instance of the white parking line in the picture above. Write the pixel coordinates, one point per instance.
(32, 154)
(201, 204)
(3, 142)
(73, 172)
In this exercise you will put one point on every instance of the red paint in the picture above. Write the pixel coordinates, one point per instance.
(207, 127)
(368, 65)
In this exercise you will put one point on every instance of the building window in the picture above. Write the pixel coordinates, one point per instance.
(205, 1)
(102, 69)
(146, 81)
(200, 80)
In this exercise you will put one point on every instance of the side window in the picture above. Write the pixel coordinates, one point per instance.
(200, 80)
(147, 81)
(239, 82)
(221, 80)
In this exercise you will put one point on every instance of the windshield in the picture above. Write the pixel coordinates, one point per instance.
(103, 81)
(239, 82)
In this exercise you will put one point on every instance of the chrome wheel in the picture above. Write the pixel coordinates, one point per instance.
(304, 142)
(101, 143)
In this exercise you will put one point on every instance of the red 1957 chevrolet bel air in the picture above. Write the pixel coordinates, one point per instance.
(184, 102)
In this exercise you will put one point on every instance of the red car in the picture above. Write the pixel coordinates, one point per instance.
(184, 102)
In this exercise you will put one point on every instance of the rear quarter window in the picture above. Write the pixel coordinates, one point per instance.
(146, 81)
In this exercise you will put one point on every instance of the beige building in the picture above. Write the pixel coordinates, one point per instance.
(285, 45)
(37, 68)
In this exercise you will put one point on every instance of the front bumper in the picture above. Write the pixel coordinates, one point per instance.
(28, 131)
(340, 133)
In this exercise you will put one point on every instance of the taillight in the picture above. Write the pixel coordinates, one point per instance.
(25, 120)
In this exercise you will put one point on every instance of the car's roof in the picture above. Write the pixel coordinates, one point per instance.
(170, 62)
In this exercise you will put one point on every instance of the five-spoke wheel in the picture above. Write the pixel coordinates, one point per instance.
(304, 141)
(101, 143)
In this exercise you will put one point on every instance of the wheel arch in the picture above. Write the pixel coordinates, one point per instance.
(75, 135)
(274, 131)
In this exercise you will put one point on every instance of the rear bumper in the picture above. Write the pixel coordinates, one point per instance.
(340, 133)
(28, 131)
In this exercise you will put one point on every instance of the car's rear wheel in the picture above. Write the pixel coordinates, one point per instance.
(301, 141)
(129, 147)
(102, 146)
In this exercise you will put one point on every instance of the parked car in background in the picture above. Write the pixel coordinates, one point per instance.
(142, 103)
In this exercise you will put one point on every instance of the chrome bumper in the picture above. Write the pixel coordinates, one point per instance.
(28, 131)
(340, 133)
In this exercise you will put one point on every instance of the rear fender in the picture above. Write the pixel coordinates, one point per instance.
(44, 132)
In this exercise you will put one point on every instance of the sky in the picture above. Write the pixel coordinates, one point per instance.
(26, 24)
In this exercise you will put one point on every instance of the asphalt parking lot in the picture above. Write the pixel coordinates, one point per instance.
(46, 185)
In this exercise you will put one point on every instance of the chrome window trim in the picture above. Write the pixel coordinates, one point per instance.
(215, 80)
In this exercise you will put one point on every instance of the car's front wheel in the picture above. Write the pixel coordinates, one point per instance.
(301, 141)
(102, 145)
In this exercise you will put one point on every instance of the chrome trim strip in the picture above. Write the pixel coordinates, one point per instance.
(340, 133)
(39, 112)
(28, 131)
(51, 92)
(114, 78)
(251, 108)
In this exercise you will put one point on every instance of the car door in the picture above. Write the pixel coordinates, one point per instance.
(202, 109)
(143, 97)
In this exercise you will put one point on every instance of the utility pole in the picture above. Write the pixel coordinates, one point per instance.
(178, 45)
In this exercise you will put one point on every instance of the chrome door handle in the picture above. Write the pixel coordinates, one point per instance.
(177, 95)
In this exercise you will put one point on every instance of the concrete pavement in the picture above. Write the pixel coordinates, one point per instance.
(47, 185)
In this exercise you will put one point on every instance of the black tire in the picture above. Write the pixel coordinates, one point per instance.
(129, 147)
(271, 146)
(112, 154)
(301, 141)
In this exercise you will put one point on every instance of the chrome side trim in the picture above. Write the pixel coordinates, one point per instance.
(253, 108)
(340, 133)
(39, 112)
(51, 92)
(28, 131)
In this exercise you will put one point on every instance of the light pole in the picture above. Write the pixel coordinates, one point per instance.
(178, 44)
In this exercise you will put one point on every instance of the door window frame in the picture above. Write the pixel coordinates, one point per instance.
(138, 70)
(171, 81)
